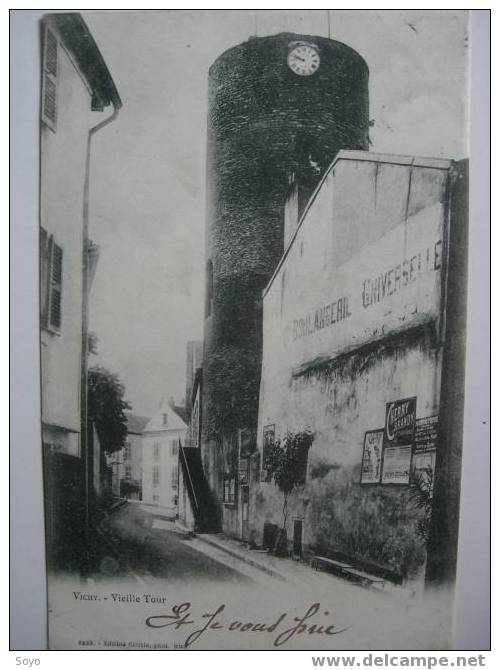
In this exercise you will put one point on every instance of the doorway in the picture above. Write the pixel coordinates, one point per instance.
(245, 495)
(297, 538)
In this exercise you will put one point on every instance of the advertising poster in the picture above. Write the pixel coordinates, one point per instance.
(424, 449)
(399, 433)
(372, 457)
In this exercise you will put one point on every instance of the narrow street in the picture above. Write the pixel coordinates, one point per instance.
(147, 547)
(145, 560)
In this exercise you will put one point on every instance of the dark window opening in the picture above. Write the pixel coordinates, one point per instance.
(229, 489)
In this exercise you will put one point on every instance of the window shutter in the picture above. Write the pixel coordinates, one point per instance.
(44, 276)
(55, 313)
(51, 53)
(49, 100)
(49, 80)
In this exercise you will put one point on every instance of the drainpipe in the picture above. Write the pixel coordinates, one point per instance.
(87, 457)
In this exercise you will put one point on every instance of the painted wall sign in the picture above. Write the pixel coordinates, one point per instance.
(372, 290)
(393, 282)
(323, 317)
(385, 284)
(399, 434)
(371, 464)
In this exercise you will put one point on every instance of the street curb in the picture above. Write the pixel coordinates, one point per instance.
(242, 557)
(182, 530)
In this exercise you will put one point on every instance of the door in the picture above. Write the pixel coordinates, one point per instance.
(244, 512)
(297, 538)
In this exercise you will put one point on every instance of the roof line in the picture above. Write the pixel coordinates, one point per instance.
(77, 37)
(356, 155)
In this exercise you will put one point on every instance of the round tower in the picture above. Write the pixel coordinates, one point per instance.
(279, 106)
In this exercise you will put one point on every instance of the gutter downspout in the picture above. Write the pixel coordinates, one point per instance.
(87, 458)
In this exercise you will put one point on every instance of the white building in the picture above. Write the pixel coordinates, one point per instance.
(75, 84)
(363, 331)
(160, 459)
(75, 87)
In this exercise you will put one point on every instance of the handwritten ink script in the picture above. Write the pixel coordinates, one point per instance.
(312, 622)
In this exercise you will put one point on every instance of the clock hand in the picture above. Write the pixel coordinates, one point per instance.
(299, 58)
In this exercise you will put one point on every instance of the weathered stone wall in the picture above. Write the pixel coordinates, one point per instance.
(353, 321)
(340, 401)
(264, 123)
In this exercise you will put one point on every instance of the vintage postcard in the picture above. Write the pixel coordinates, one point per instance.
(253, 291)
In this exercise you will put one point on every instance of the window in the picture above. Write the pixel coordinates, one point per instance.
(49, 80)
(165, 419)
(156, 451)
(175, 500)
(174, 477)
(51, 277)
(229, 489)
(156, 475)
(128, 451)
(128, 472)
(209, 291)
(44, 276)
(174, 448)
(268, 438)
(56, 287)
(156, 498)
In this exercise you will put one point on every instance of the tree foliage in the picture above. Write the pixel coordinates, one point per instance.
(231, 374)
(106, 408)
(421, 496)
(286, 462)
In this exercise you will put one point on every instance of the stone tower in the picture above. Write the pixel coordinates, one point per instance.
(280, 108)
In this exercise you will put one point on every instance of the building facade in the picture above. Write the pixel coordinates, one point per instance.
(161, 439)
(358, 324)
(75, 86)
(126, 464)
(75, 83)
(274, 123)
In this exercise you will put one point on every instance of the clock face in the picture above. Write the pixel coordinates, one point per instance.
(303, 59)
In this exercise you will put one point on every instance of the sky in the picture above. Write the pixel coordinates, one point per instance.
(147, 189)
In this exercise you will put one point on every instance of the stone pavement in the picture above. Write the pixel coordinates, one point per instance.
(288, 570)
(282, 570)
